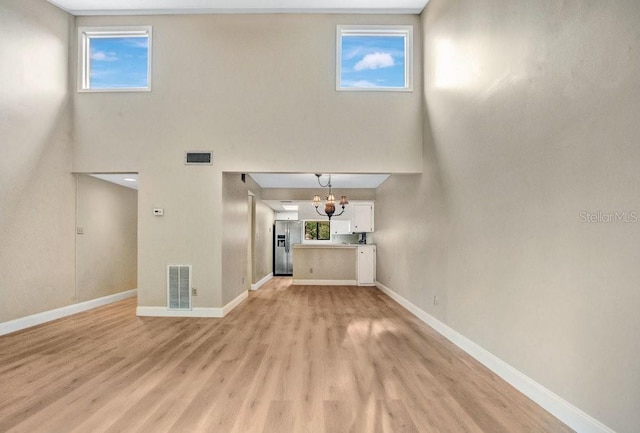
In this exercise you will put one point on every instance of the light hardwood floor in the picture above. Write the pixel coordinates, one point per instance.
(289, 359)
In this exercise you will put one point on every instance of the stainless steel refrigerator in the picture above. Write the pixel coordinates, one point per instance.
(286, 234)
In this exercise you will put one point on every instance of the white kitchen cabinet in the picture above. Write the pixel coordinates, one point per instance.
(366, 262)
(362, 218)
(340, 227)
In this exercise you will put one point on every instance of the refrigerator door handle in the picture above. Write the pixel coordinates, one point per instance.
(287, 240)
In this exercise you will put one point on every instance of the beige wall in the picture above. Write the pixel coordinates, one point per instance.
(261, 233)
(258, 90)
(531, 119)
(37, 188)
(235, 236)
(189, 233)
(412, 231)
(106, 252)
(262, 241)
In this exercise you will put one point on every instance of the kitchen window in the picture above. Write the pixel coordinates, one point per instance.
(317, 231)
(114, 59)
(374, 58)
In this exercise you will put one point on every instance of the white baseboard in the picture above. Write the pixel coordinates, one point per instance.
(233, 304)
(324, 282)
(572, 416)
(194, 312)
(166, 312)
(260, 283)
(58, 313)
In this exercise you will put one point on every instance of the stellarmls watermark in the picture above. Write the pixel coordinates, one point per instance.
(599, 217)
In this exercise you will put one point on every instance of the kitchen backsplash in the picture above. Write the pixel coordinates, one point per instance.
(351, 238)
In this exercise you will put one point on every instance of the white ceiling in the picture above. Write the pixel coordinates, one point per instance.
(275, 180)
(119, 178)
(309, 180)
(136, 7)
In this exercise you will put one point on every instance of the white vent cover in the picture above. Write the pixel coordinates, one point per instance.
(179, 287)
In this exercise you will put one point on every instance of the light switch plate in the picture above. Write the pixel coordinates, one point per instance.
(158, 212)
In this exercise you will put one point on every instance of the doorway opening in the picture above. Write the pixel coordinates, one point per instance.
(106, 234)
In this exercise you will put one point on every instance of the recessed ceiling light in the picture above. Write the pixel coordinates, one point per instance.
(290, 206)
(129, 179)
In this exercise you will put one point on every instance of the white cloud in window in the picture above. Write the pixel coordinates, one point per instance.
(359, 84)
(375, 61)
(101, 56)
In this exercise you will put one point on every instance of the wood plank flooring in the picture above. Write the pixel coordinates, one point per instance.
(299, 359)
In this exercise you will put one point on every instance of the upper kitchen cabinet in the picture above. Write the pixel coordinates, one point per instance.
(340, 227)
(362, 220)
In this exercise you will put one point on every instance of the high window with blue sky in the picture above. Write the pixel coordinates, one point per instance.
(115, 59)
(374, 58)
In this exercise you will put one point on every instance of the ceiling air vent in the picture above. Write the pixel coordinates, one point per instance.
(198, 158)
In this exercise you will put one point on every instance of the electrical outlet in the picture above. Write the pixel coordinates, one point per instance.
(436, 301)
(194, 291)
(311, 270)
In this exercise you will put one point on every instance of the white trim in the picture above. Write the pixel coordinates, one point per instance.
(324, 282)
(85, 34)
(262, 282)
(574, 417)
(166, 312)
(58, 313)
(194, 312)
(233, 304)
(192, 11)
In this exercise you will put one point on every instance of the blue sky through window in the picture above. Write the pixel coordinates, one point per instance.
(372, 61)
(119, 62)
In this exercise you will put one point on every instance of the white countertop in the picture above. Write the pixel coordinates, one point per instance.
(329, 245)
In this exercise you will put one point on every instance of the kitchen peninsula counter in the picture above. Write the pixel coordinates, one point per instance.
(312, 246)
(326, 264)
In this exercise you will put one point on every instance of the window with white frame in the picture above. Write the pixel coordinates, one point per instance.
(317, 231)
(114, 58)
(374, 58)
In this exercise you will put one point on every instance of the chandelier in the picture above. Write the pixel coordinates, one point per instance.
(330, 200)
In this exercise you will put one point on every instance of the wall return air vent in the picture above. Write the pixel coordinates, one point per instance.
(198, 158)
(179, 287)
